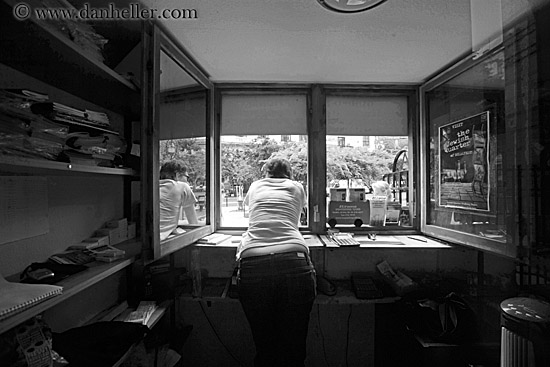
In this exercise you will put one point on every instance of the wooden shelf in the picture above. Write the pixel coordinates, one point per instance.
(76, 283)
(81, 126)
(22, 164)
(75, 67)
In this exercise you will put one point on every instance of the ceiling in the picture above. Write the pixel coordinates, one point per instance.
(299, 41)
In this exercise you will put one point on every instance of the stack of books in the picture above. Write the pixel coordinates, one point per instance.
(90, 243)
(73, 257)
(107, 253)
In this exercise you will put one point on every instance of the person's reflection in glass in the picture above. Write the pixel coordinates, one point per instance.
(175, 194)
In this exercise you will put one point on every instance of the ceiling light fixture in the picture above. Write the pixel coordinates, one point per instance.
(350, 6)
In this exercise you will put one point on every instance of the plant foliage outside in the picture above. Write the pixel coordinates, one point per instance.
(241, 163)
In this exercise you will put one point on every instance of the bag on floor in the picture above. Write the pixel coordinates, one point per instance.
(447, 319)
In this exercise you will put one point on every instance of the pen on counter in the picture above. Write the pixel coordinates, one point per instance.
(418, 239)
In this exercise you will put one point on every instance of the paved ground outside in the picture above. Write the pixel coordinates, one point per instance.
(233, 214)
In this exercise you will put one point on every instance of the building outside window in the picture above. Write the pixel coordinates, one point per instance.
(341, 141)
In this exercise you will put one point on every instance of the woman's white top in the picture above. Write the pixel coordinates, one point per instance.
(173, 196)
(275, 205)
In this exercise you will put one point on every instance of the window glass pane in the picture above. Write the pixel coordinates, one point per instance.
(182, 140)
(366, 134)
(364, 188)
(255, 128)
(467, 147)
(191, 153)
(242, 158)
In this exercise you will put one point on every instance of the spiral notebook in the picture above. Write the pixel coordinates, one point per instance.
(17, 297)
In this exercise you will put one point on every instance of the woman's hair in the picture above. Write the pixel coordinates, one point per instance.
(169, 170)
(278, 168)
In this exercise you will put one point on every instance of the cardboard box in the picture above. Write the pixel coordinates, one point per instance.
(122, 234)
(131, 232)
(101, 240)
(112, 233)
(122, 224)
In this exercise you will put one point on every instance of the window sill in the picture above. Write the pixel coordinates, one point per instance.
(382, 241)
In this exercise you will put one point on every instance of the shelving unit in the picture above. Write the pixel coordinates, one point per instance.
(77, 69)
(40, 54)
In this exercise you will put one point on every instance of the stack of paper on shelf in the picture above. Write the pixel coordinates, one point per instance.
(215, 239)
(58, 112)
(100, 149)
(143, 312)
(63, 113)
(76, 157)
(17, 297)
(98, 118)
(25, 95)
(27, 134)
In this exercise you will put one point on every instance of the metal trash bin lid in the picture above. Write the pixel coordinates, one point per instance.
(528, 309)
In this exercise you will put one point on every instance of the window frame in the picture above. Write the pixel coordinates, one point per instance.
(397, 90)
(454, 236)
(316, 133)
(253, 89)
(156, 40)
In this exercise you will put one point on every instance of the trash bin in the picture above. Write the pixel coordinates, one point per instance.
(525, 333)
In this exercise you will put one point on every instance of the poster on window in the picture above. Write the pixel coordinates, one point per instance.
(464, 163)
